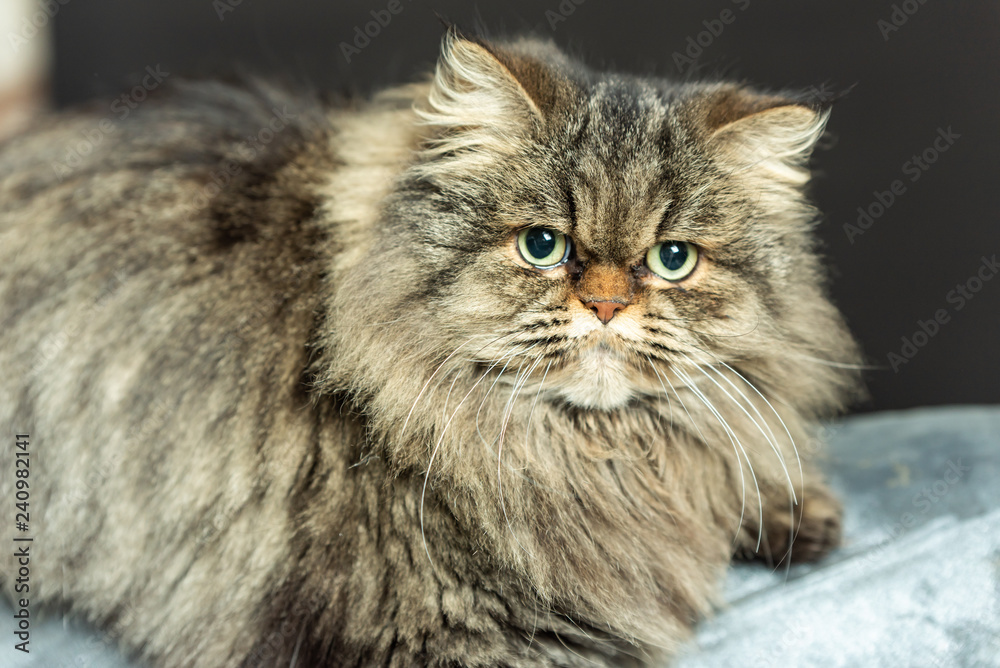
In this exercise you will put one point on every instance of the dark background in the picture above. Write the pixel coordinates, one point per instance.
(940, 69)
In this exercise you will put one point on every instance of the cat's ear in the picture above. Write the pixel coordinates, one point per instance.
(771, 135)
(483, 95)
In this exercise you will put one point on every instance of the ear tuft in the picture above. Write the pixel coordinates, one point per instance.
(475, 100)
(766, 134)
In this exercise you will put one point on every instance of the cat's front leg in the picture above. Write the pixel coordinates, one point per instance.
(804, 526)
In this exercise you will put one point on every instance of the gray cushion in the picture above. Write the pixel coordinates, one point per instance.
(917, 582)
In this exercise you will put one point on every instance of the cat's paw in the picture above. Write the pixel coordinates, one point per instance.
(818, 532)
(813, 526)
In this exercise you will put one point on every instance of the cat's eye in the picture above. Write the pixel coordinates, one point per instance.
(543, 247)
(672, 260)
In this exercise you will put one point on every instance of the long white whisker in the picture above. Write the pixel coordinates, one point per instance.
(444, 410)
(424, 388)
(772, 441)
(487, 396)
(509, 409)
(736, 443)
(798, 459)
(527, 428)
(679, 398)
(776, 414)
(767, 425)
(495, 381)
(519, 383)
(534, 626)
(430, 463)
(572, 651)
(666, 394)
(769, 439)
(743, 483)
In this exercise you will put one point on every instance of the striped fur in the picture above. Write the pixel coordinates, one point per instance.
(300, 401)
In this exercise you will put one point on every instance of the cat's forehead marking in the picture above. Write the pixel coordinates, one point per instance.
(618, 176)
(624, 115)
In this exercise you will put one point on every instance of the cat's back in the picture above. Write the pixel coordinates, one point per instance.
(178, 234)
(168, 158)
(159, 283)
(192, 184)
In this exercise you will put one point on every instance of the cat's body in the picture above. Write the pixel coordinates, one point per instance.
(238, 360)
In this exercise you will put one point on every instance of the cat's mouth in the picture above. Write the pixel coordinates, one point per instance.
(599, 372)
(600, 377)
(602, 351)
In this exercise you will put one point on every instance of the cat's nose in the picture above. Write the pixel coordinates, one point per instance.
(605, 310)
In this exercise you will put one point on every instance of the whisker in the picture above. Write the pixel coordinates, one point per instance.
(772, 440)
(495, 381)
(509, 409)
(531, 412)
(482, 438)
(769, 438)
(424, 388)
(791, 440)
(534, 626)
(836, 365)
(776, 414)
(670, 406)
(743, 484)
(487, 396)
(430, 463)
(298, 646)
(444, 410)
(736, 444)
(679, 398)
(572, 651)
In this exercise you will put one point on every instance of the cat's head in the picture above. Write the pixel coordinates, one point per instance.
(595, 236)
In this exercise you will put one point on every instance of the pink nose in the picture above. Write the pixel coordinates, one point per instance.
(605, 310)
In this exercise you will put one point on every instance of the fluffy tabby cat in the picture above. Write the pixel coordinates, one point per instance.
(500, 369)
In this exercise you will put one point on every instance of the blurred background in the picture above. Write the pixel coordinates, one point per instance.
(908, 181)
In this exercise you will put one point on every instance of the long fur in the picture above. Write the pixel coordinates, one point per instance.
(298, 402)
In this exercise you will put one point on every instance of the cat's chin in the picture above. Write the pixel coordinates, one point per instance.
(599, 380)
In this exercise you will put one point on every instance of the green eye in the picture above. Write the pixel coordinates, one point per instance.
(542, 247)
(672, 260)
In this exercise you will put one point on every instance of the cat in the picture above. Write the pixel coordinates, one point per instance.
(500, 368)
